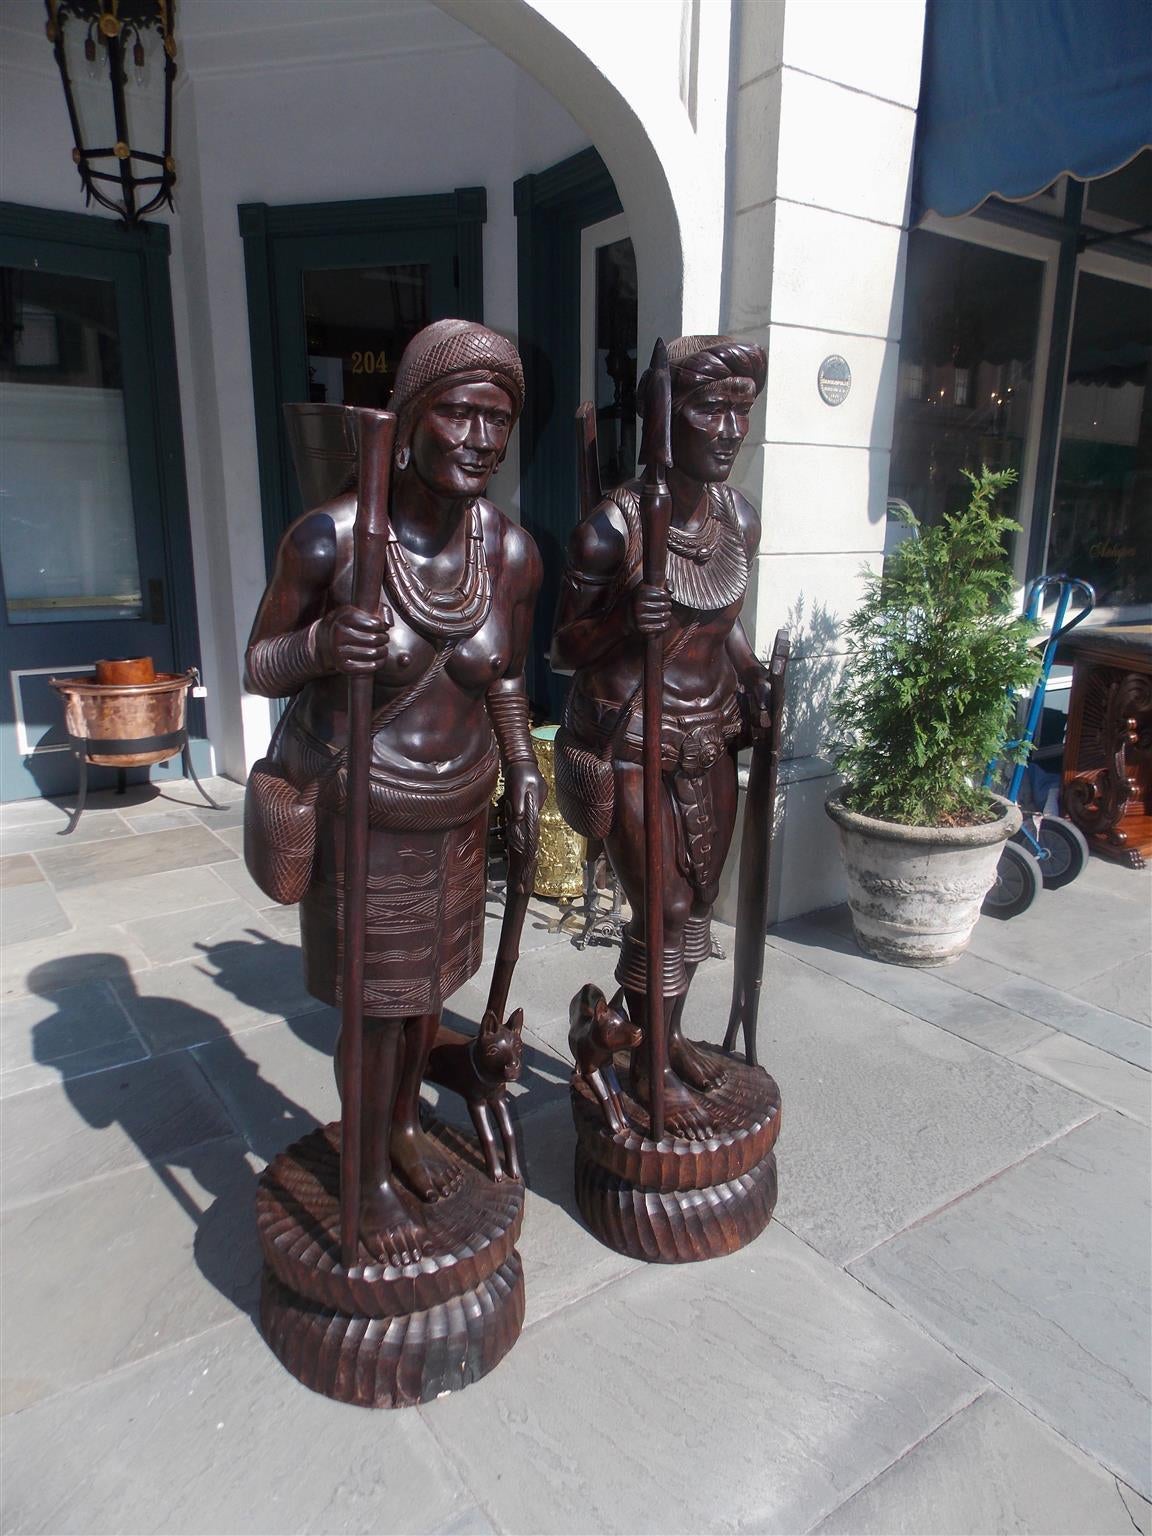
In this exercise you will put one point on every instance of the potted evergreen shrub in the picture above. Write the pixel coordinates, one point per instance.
(923, 706)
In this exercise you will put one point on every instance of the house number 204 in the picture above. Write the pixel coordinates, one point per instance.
(368, 362)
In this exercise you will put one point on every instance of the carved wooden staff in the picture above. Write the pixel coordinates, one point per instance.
(655, 514)
(755, 860)
(370, 540)
(523, 845)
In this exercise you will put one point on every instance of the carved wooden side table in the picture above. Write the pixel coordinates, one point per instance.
(1107, 778)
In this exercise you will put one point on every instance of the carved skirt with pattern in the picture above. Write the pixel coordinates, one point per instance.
(424, 930)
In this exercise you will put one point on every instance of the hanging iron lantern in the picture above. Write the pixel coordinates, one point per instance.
(118, 28)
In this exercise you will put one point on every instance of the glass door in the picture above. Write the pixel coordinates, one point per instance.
(608, 344)
(82, 543)
(346, 307)
(1101, 527)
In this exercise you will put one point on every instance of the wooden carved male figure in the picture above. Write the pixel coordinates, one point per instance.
(716, 694)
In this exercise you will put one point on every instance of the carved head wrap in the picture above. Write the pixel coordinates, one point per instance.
(451, 352)
(694, 361)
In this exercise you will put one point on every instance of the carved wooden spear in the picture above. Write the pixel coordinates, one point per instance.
(655, 515)
(370, 539)
(755, 860)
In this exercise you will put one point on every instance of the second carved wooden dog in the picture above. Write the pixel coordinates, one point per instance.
(479, 1068)
(597, 1030)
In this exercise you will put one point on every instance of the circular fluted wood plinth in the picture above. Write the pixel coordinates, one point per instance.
(395, 1362)
(677, 1201)
(379, 1335)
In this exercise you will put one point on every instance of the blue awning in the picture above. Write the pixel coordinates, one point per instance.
(1015, 92)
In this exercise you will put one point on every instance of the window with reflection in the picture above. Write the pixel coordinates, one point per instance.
(967, 361)
(1101, 525)
(358, 321)
(616, 361)
(67, 523)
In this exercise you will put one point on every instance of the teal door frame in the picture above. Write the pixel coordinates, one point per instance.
(447, 228)
(82, 244)
(552, 208)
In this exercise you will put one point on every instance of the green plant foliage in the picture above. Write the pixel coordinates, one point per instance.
(933, 651)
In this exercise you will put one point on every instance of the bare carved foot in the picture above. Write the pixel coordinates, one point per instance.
(388, 1229)
(428, 1171)
(699, 1069)
(686, 1113)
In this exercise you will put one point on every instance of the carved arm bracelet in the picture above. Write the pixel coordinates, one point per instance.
(508, 711)
(283, 664)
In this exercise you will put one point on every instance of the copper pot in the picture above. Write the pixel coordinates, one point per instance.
(129, 725)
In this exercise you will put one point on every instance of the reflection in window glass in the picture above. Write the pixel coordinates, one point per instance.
(966, 356)
(616, 361)
(67, 526)
(1102, 510)
(358, 322)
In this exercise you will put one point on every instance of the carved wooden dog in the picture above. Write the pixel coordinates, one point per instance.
(597, 1029)
(479, 1069)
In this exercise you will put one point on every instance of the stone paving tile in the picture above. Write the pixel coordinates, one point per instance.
(826, 942)
(1072, 1015)
(1124, 988)
(71, 1132)
(701, 1397)
(19, 869)
(214, 1438)
(241, 883)
(149, 854)
(136, 1233)
(1039, 1280)
(178, 792)
(233, 837)
(885, 1118)
(145, 895)
(72, 1021)
(1052, 943)
(65, 959)
(231, 815)
(1094, 1073)
(97, 1058)
(31, 911)
(186, 934)
(1029, 1480)
(562, 1260)
(161, 820)
(234, 986)
(276, 1082)
(45, 836)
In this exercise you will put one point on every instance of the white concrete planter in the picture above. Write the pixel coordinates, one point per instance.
(915, 892)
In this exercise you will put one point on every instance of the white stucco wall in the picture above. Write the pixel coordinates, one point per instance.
(820, 160)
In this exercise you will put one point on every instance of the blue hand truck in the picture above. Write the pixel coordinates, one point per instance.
(1048, 850)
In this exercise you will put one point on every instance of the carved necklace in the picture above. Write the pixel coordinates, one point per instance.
(707, 567)
(448, 613)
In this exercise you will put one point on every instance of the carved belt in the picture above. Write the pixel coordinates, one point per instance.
(690, 743)
(394, 803)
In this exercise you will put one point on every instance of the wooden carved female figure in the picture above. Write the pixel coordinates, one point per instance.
(714, 688)
(446, 646)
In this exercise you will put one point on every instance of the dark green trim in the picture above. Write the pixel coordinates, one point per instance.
(1048, 448)
(82, 229)
(149, 244)
(465, 211)
(552, 208)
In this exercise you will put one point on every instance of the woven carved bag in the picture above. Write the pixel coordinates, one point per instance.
(279, 829)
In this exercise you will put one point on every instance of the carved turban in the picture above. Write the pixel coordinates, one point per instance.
(451, 352)
(694, 361)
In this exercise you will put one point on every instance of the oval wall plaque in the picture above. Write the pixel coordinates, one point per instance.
(834, 380)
